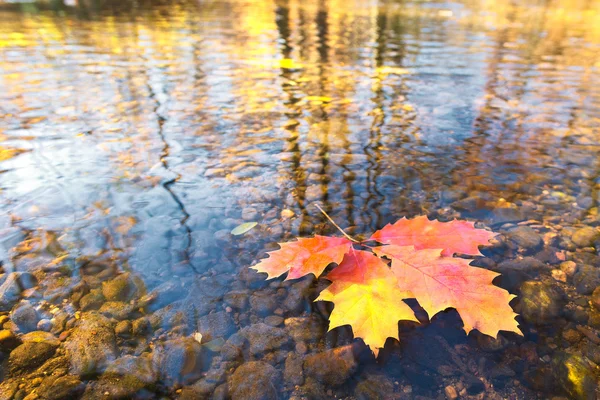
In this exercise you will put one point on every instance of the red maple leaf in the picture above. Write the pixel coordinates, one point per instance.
(453, 237)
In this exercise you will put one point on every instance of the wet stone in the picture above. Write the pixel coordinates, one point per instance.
(574, 376)
(141, 326)
(91, 347)
(60, 388)
(233, 347)
(594, 318)
(216, 325)
(526, 238)
(592, 352)
(571, 335)
(274, 320)
(586, 237)
(374, 386)
(141, 367)
(180, 361)
(306, 329)
(249, 214)
(473, 384)
(332, 367)
(586, 279)
(123, 329)
(237, 299)
(92, 301)
(44, 325)
(25, 316)
(263, 338)
(311, 389)
(40, 336)
(569, 268)
(110, 386)
(264, 303)
(450, 392)
(540, 302)
(29, 356)
(254, 380)
(120, 288)
(293, 374)
(207, 385)
(595, 300)
(297, 299)
(8, 340)
(11, 287)
(117, 309)
(559, 275)
(515, 272)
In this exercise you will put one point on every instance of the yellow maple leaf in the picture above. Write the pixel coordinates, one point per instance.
(370, 302)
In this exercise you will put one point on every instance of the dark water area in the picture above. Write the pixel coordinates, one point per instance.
(135, 136)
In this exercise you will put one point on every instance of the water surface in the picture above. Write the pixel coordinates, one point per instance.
(134, 137)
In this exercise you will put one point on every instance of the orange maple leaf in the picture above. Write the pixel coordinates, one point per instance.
(439, 282)
(365, 296)
(453, 237)
(304, 256)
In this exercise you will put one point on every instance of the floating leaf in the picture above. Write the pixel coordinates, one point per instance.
(366, 297)
(243, 228)
(304, 256)
(369, 295)
(439, 283)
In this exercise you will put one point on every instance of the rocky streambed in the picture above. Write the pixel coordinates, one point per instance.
(94, 330)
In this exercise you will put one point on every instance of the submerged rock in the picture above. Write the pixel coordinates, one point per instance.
(117, 309)
(263, 303)
(91, 347)
(120, 288)
(293, 374)
(60, 387)
(574, 376)
(141, 367)
(586, 237)
(526, 238)
(25, 316)
(11, 288)
(117, 387)
(180, 361)
(596, 298)
(29, 356)
(332, 367)
(586, 279)
(307, 329)
(540, 302)
(92, 301)
(263, 338)
(216, 325)
(8, 340)
(374, 387)
(255, 380)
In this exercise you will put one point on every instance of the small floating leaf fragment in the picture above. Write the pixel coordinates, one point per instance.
(197, 337)
(243, 228)
(288, 63)
(392, 71)
(318, 99)
(287, 213)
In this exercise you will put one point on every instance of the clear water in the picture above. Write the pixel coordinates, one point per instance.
(138, 135)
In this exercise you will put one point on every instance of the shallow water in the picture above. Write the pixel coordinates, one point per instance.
(134, 137)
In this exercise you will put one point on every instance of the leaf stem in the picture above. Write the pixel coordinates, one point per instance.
(336, 225)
